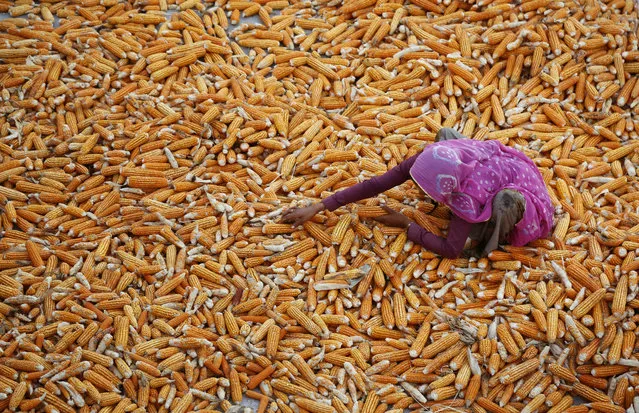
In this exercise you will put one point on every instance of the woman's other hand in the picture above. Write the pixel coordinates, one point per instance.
(393, 218)
(298, 216)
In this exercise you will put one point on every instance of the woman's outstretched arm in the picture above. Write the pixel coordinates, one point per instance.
(371, 187)
(449, 247)
(357, 192)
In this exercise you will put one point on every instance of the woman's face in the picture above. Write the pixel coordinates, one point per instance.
(416, 186)
(419, 188)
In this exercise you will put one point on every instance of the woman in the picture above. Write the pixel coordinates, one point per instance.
(496, 195)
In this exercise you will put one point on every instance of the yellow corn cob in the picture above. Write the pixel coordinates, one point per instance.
(339, 231)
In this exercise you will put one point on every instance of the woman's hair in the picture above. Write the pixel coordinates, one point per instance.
(448, 134)
(508, 210)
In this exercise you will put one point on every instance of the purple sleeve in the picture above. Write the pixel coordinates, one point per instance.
(371, 187)
(449, 247)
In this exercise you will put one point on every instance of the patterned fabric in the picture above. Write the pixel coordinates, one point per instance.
(466, 175)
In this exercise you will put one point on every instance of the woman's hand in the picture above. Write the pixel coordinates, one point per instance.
(298, 216)
(393, 218)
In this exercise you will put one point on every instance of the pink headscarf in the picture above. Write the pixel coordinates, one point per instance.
(466, 175)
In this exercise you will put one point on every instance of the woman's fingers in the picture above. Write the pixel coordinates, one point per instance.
(382, 219)
(297, 220)
(288, 214)
(293, 216)
(297, 216)
(389, 211)
(288, 217)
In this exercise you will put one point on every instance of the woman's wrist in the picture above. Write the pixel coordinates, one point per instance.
(319, 207)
